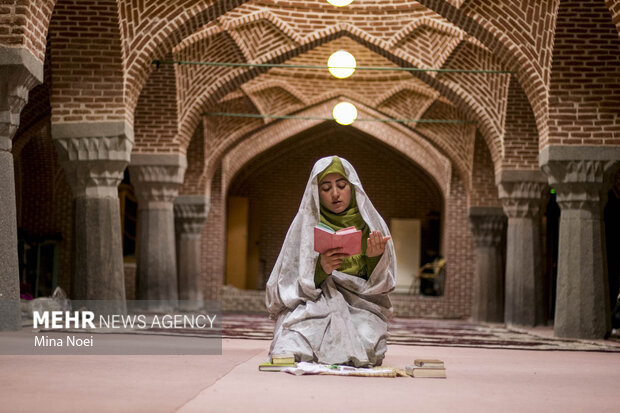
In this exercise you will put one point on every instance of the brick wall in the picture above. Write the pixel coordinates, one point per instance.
(86, 62)
(155, 122)
(24, 23)
(458, 248)
(521, 138)
(483, 189)
(196, 156)
(585, 82)
(614, 8)
(213, 244)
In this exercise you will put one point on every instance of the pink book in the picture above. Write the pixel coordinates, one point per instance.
(350, 239)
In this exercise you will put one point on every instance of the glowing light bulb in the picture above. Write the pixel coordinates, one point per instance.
(344, 113)
(340, 3)
(341, 64)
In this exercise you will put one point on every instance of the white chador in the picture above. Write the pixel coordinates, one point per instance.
(344, 320)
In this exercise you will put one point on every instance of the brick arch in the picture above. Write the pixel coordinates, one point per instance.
(274, 98)
(397, 137)
(405, 101)
(152, 33)
(28, 26)
(486, 93)
(453, 140)
(529, 57)
(212, 92)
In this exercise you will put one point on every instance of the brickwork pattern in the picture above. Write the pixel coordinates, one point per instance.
(195, 166)
(486, 92)
(458, 249)
(213, 242)
(151, 29)
(520, 35)
(155, 123)
(397, 137)
(321, 32)
(25, 23)
(455, 140)
(614, 9)
(584, 92)
(86, 62)
(483, 190)
(521, 139)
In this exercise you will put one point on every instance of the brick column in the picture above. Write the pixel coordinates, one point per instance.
(19, 73)
(156, 179)
(523, 197)
(581, 176)
(190, 214)
(488, 225)
(94, 156)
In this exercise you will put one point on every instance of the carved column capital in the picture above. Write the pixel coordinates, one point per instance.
(522, 193)
(20, 71)
(487, 225)
(190, 213)
(581, 184)
(93, 155)
(157, 178)
(580, 175)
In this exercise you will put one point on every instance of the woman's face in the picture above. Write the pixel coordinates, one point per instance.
(335, 192)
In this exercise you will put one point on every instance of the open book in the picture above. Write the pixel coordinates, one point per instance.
(325, 238)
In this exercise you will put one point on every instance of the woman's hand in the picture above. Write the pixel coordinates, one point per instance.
(375, 245)
(332, 259)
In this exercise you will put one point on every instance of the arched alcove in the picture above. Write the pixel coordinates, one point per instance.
(270, 186)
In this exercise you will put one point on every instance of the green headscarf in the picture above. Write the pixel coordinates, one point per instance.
(357, 264)
(351, 216)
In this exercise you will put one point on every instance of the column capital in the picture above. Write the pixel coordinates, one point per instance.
(487, 225)
(94, 155)
(20, 71)
(157, 178)
(190, 213)
(522, 192)
(580, 175)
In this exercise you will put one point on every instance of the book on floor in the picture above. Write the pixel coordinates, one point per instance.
(427, 368)
(325, 238)
(283, 358)
(426, 372)
(275, 367)
(433, 363)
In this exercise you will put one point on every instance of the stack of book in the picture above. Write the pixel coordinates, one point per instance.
(278, 362)
(427, 368)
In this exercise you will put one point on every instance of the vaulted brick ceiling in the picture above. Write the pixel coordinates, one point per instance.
(379, 34)
(426, 34)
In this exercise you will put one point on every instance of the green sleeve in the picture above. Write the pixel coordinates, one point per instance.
(372, 263)
(319, 274)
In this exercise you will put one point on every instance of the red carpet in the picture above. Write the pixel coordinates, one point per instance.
(433, 332)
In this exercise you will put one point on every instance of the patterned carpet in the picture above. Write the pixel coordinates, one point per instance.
(432, 332)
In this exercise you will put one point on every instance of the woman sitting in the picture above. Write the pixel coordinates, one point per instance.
(332, 308)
